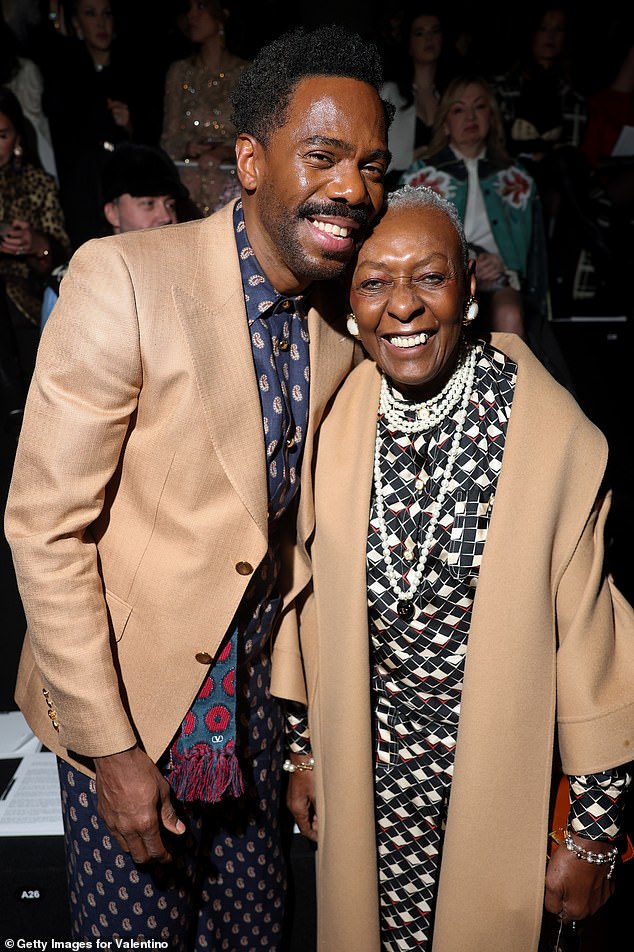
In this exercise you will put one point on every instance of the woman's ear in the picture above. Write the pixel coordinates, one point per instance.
(471, 276)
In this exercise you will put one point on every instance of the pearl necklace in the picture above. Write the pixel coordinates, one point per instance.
(429, 413)
(458, 389)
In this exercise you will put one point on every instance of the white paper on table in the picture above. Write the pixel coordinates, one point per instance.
(30, 804)
(16, 737)
(624, 145)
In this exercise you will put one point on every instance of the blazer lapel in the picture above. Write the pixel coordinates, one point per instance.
(213, 317)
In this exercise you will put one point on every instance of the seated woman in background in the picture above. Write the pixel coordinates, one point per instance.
(33, 241)
(611, 107)
(501, 210)
(462, 619)
(497, 200)
(197, 130)
(89, 97)
(544, 113)
(418, 78)
(611, 178)
(23, 77)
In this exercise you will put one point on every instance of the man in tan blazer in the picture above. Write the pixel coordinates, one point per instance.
(155, 517)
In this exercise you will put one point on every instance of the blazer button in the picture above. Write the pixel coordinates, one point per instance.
(244, 568)
(203, 657)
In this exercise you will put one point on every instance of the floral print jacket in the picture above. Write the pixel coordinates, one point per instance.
(512, 204)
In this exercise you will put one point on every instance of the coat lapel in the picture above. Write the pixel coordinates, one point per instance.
(331, 358)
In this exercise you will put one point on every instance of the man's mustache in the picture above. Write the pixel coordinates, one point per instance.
(333, 210)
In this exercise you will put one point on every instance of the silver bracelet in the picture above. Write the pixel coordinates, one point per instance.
(600, 859)
(303, 765)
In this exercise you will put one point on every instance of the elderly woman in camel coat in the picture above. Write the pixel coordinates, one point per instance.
(548, 678)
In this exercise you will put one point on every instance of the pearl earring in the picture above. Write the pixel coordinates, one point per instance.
(353, 327)
(471, 311)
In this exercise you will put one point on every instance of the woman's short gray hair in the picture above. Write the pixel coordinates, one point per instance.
(420, 196)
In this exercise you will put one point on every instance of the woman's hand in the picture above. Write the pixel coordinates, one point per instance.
(489, 270)
(300, 799)
(575, 888)
(17, 239)
(22, 240)
(120, 112)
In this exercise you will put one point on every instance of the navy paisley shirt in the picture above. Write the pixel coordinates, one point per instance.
(279, 339)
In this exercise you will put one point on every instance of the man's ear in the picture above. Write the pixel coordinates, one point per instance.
(111, 214)
(249, 160)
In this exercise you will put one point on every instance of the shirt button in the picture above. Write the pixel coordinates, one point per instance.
(203, 657)
(283, 345)
(244, 568)
(290, 442)
(286, 305)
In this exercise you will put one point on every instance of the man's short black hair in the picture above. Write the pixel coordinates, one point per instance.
(261, 98)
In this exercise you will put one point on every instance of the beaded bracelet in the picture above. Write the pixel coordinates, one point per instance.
(591, 857)
(303, 765)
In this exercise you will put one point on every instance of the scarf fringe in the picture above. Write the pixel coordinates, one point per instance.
(201, 773)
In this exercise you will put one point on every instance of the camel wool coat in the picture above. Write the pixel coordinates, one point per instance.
(550, 663)
(138, 506)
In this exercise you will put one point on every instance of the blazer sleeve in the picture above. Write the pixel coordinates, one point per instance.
(83, 394)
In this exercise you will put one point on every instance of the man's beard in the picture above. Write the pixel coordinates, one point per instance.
(283, 229)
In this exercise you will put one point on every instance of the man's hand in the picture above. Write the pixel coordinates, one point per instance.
(134, 801)
(300, 799)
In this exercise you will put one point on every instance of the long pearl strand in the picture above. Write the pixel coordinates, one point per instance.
(458, 389)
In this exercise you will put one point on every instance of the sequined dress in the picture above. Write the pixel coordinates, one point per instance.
(197, 107)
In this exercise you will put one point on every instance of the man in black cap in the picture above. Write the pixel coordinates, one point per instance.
(140, 188)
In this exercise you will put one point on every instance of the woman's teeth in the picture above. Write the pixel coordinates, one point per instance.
(413, 341)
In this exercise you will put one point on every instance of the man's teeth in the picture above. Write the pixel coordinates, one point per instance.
(335, 230)
(413, 341)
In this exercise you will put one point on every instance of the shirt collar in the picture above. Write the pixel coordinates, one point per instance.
(468, 161)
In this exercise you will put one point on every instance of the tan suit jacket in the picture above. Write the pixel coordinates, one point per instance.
(138, 505)
(550, 656)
